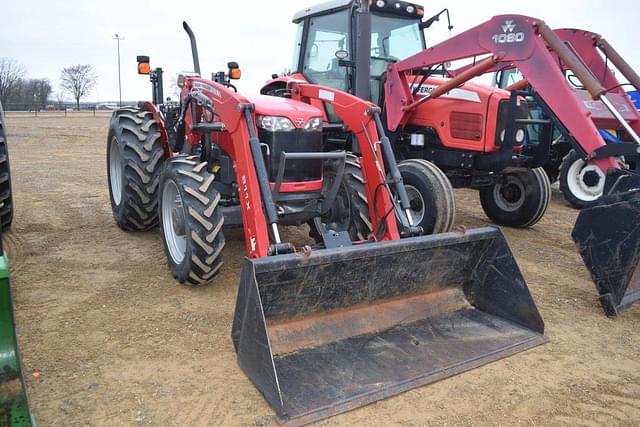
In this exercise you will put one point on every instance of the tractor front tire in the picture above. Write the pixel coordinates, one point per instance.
(520, 200)
(350, 211)
(433, 205)
(190, 220)
(134, 163)
(6, 197)
(581, 183)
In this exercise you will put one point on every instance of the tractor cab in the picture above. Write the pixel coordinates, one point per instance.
(326, 42)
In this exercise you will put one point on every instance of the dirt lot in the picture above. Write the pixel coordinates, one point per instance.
(118, 342)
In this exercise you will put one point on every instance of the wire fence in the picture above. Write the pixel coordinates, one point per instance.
(59, 113)
(61, 109)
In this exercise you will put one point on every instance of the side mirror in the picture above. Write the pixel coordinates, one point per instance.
(144, 67)
(342, 54)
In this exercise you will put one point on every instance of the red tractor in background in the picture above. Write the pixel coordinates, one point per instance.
(477, 134)
(462, 131)
(306, 317)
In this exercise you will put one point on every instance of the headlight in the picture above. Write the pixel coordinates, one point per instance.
(274, 123)
(313, 125)
(519, 136)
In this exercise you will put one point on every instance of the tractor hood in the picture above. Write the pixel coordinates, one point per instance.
(298, 112)
(470, 91)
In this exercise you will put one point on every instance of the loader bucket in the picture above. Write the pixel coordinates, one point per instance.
(341, 328)
(608, 238)
(14, 409)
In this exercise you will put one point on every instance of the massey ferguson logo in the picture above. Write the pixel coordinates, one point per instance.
(508, 27)
(508, 35)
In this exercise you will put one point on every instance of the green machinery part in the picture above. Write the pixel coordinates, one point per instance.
(14, 407)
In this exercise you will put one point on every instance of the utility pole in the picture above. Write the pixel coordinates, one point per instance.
(118, 38)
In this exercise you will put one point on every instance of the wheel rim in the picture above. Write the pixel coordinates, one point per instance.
(339, 216)
(416, 204)
(509, 196)
(115, 171)
(585, 181)
(173, 222)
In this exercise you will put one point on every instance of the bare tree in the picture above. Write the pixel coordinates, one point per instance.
(36, 92)
(78, 80)
(43, 92)
(11, 74)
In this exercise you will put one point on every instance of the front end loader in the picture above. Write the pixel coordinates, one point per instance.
(373, 308)
(605, 233)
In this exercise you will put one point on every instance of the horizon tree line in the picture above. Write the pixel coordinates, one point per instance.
(33, 93)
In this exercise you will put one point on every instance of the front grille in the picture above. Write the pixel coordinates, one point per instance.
(466, 125)
(296, 141)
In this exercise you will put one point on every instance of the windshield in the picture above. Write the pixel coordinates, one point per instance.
(394, 38)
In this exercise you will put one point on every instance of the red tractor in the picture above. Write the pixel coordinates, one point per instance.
(463, 130)
(374, 308)
(477, 134)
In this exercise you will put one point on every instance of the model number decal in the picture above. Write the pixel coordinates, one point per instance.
(326, 95)
(508, 35)
(215, 92)
(508, 38)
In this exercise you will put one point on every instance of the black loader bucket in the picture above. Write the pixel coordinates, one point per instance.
(341, 328)
(608, 237)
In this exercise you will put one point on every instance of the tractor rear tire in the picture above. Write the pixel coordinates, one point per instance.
(351, 208)
(433, 205)
(520, 201)
(6, 196)
(190, 220)
(134, 163)
(581, 183)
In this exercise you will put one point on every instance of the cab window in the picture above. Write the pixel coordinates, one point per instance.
(327, 35)
(297, 47)
(392, 39)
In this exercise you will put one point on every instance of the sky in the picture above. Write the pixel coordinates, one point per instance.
(46, 36)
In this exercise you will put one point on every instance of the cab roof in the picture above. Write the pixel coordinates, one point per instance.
(398, 8)
(322, 8)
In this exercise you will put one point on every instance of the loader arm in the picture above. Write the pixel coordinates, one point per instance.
(590, 48)
(507, 40)
(235, 140)
(358, 117)
(596, 54)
